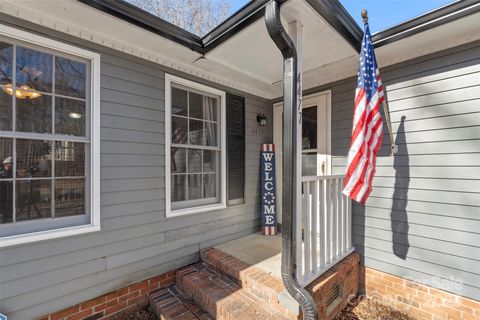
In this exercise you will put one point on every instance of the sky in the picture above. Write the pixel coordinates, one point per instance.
(382, 14)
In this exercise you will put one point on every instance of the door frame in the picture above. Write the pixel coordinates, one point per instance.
(307, 101)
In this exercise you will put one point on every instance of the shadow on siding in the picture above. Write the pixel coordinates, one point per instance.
(399, 216)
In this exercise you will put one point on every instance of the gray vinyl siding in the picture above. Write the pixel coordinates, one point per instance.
(136, 241)
(433, 182)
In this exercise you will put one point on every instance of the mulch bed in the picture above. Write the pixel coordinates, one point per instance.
(368, 309)
(142, 314)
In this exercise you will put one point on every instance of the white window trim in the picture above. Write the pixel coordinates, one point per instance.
(169, 79)
(94, 59)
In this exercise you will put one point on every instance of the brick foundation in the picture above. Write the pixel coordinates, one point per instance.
(117, 304)
(417, 300)
(346, 275)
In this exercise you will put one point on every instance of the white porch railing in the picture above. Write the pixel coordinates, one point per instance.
(324, 227)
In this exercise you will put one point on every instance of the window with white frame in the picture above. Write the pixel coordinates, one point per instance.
(195, 147)
(48, 143)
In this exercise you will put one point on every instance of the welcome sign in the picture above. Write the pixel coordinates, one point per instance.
(269, 205)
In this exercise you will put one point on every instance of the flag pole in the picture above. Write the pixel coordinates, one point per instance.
(386, 112)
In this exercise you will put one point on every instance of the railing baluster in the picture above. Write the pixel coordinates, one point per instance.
(315, 233)
(328, 212)
(299, 243)
(345, 219)
(349, 222)
(308, 229)
(335, 219)
(340, 216)
(322, 224)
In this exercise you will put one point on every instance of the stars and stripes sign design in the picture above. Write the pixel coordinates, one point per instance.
(367, 125)
(269, 201)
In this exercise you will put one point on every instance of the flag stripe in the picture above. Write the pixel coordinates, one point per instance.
(367, 125)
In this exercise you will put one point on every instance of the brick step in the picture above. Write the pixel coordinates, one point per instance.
(260, 283)
(170, 303)
(221, 296)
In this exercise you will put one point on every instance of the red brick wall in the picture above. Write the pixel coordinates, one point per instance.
(116, 304)
(346, 273)
(417, 300)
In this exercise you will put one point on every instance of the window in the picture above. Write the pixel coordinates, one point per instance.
(195, 147)
(49, 174)
(309, 141)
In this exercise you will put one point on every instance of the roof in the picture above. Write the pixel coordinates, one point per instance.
(331, 10)
(239, 54)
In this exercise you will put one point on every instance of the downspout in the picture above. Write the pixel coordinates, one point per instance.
(289, 186)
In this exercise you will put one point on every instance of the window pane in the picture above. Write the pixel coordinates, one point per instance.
(5, 111)
(6, 201)
(178, 160)
(309, 128)
(70, 77)
(69, 197)
(69, 117)
(178, 187)
(179, 102)
(196, 133)
(35, 115)
(69, 159)
(194, 186)
(211, 134)
(309, 164)
(6, 153)
(194, 161)
(210, 185)
(210, 161)
(34, 70)
(34, 158)
(6, 62)
(196, 108)
(6, 59)
(33, 199)
(179, 130)
(210, 108)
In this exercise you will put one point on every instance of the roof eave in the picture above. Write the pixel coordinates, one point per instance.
(338, 17)
(330, 10)
(426, 21)
(132, 14)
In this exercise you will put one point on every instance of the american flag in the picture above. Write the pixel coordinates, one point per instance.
(367, 125)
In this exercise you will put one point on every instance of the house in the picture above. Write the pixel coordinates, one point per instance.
(130, 146)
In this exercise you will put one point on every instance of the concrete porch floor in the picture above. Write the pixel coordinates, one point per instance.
(258, 250)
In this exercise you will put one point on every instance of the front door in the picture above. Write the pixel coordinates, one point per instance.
(316, 159)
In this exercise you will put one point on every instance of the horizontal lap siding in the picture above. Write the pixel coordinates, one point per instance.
(136, 240)
(435, 234)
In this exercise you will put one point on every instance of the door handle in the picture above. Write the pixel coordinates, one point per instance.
(323, 167)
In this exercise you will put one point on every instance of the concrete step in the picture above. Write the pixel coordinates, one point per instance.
(222, 297)
(171, 303)
(262, 284)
